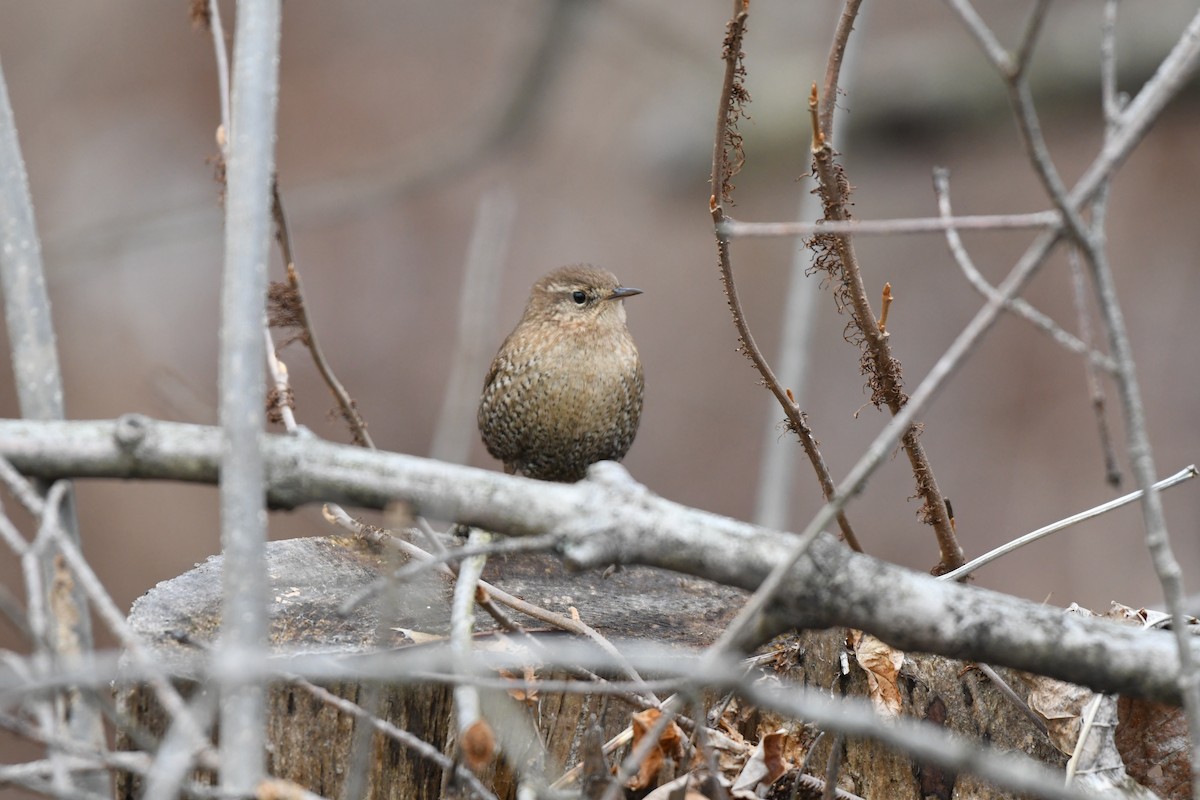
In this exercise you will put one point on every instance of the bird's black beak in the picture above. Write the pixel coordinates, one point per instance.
(623, 291)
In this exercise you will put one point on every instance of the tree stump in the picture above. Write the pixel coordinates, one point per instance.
(310, 742)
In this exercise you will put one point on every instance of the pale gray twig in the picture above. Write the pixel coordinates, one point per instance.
(941, 185)
(38, 382)
(21, 488)
(282, 386)
(1033, 28)
(468, 713)
(736, 229)
(250, 170)
(1184, 474)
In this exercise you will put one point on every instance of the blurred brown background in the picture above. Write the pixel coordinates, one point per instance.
(607, 162)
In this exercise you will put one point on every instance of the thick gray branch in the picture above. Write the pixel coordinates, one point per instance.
(609, 519)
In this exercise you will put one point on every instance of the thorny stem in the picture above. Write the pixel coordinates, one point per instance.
(881, 366)
(833, 67)
(726, 141)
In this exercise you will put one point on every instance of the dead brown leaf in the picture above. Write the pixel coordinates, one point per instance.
(765, 765)
(670, 745)
(882, 665)
(1153, 742)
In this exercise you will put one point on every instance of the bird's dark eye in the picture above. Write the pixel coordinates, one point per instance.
(580, 297)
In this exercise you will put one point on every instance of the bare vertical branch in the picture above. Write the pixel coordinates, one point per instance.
(476, 741)
(243, 516)
(38, 381)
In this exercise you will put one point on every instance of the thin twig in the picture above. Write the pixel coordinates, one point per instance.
(1029, 37)
(347, 405)
(222, 57)
(534, 544)
(1184, 474)
(995, 51)
(21, 488)
(1112, 102)
(1099, 402)
(1018, 305)
(1012, 696)
(280, 399)
(736, 229)
(833, 766)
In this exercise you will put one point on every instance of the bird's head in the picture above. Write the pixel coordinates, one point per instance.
(579, 295)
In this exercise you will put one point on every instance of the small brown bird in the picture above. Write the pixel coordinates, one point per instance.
(565, 390)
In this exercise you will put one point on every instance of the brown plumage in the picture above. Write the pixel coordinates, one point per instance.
(565, 389)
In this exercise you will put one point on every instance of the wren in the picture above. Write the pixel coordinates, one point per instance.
(565, 389)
